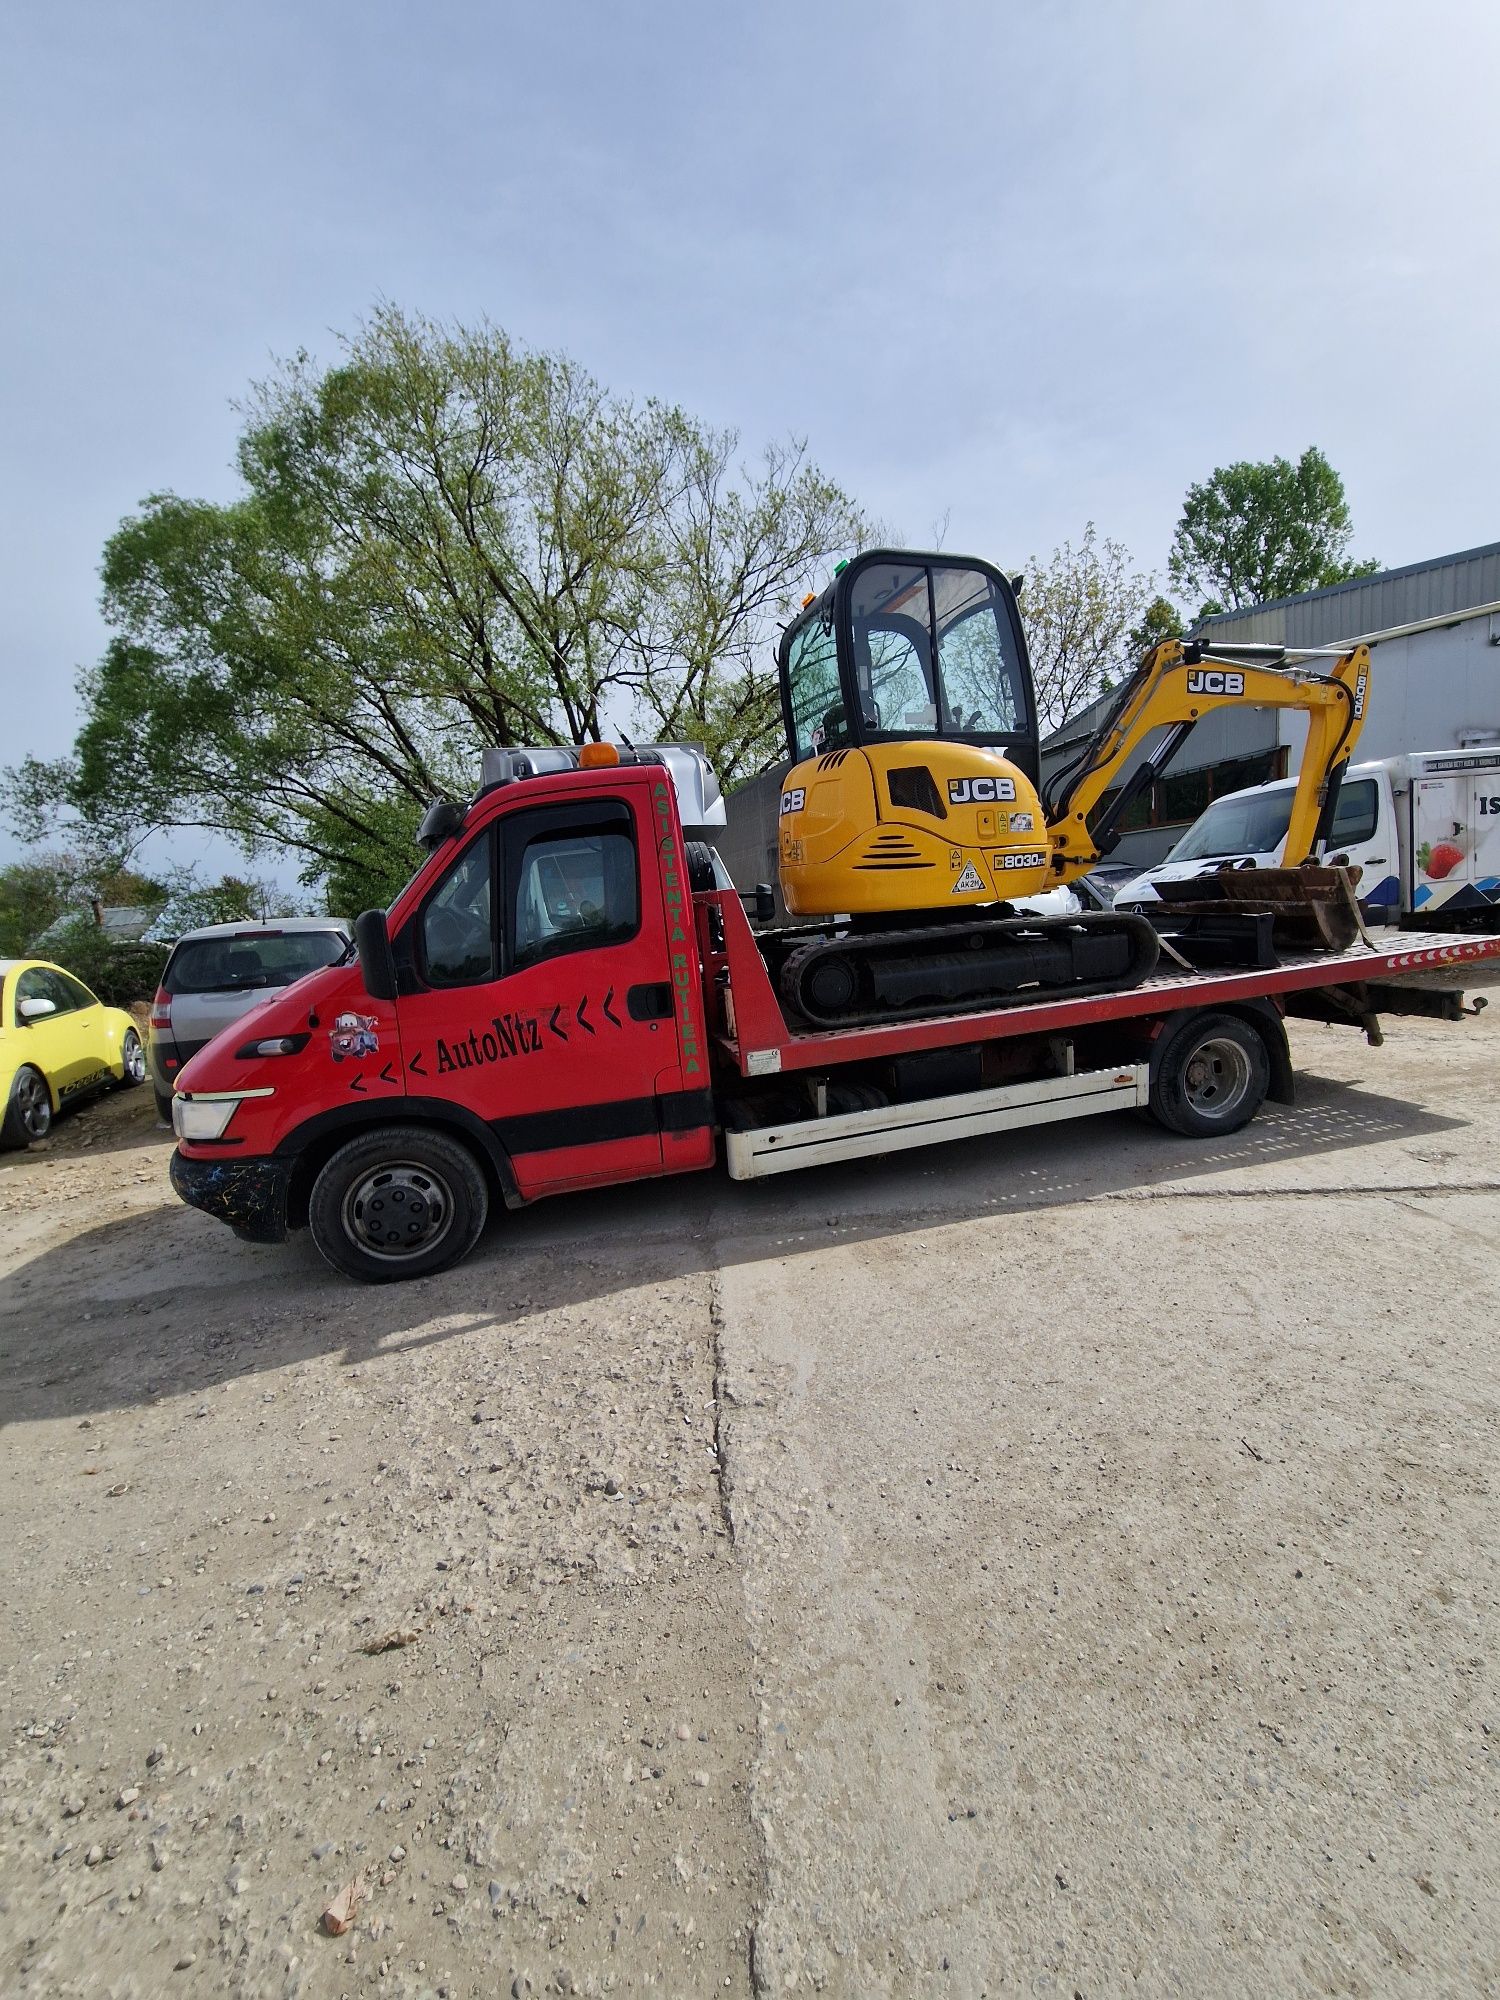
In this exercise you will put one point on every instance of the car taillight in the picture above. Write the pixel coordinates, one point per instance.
(161, 1009)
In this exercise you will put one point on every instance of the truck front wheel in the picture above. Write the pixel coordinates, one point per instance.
(1211, 1076)
(398, 1202)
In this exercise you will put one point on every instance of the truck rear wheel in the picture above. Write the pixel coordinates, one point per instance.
(1211, 1077)
(398, 1202)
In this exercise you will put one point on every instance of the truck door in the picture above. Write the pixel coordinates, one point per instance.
(544, 994)
(1365, 834)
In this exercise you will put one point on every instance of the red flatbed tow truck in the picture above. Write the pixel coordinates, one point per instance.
(567, 995)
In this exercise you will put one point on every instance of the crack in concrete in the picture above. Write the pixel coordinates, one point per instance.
(1351, 1189)
(724, 1483)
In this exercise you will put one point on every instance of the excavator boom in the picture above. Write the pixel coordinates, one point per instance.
(1175, 686)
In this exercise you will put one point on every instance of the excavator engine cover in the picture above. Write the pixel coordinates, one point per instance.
(909, 826)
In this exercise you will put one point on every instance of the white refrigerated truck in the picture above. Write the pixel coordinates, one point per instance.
(1422, 828)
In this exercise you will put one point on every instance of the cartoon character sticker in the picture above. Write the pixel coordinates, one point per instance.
(353, 1035)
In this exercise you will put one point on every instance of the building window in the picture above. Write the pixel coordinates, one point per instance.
(1177, 798)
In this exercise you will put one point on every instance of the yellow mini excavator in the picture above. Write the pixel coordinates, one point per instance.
(913, 812)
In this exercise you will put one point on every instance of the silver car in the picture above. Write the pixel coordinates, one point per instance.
(216, 974)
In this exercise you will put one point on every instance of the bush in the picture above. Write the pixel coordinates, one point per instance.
(118, 973)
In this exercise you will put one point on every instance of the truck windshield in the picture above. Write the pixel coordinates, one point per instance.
(1256, 822)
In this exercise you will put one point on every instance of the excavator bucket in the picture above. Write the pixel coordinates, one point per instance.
(1313, 908)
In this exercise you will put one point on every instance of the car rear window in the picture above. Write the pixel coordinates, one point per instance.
(234, 964)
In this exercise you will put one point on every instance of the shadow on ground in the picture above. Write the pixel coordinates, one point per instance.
(171, 1303)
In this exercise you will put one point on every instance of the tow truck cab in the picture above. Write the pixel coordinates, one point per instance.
(528, 1019)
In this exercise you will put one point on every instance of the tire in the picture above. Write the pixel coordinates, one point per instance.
(163, 1107)
(133, 1064)
(700, 865)
(399, 1202)
(1211, 1078)
(28, 1114)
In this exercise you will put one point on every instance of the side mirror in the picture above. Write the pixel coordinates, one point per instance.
(377, 962)
(36, 1010)
(441, 821)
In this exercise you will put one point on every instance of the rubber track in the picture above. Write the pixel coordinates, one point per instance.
(944, 938)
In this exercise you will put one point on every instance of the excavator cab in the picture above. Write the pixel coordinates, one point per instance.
(909, 647)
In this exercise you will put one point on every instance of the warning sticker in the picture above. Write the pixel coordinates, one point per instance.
(969, 881)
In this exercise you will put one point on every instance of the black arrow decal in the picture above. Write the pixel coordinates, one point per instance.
(582, 1019)
(358, 1082)
(609, 1013)
(561, 1033)
(414, 1064)
(387, 1075)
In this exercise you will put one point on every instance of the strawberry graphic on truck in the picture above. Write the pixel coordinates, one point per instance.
(1437, 859)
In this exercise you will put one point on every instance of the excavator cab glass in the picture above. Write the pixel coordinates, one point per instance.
(908, 646)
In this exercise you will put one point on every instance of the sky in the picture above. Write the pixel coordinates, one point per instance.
(1009, 268)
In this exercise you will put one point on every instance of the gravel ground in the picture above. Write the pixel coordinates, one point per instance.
(1060, 1566)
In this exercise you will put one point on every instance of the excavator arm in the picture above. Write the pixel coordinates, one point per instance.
(1175, 686)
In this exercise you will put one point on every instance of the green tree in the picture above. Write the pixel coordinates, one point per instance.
(443, 542)
(119, 973)
(38, 889)
(34, 893)
(1080, 608)
(1254, 532)
(1160, 620)
(232, 899)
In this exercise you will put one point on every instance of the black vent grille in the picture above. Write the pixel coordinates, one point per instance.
(893, 850)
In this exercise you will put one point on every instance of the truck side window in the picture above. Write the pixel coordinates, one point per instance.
(458, 933)
(575, 890)
(1356, 814)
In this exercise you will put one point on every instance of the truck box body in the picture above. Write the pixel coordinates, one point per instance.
(1423, 829)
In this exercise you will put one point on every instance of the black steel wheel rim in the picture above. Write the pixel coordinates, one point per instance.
(1216, 1077)
(398, 1210)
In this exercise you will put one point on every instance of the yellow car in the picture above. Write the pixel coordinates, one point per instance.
(57, 1044)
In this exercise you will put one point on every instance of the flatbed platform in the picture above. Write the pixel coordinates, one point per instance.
(756, 1038)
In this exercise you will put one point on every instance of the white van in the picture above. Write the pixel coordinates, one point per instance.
(1423, 829)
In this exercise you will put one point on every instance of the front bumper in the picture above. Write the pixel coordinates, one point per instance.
(250, 1195)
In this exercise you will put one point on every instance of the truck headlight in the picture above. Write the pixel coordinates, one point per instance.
(207, 1116)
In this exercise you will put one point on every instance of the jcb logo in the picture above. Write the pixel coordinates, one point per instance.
(980, 791)
(1214, 680)
(794, 800)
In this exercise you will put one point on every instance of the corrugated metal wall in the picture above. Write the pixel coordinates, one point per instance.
(1371, 604)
